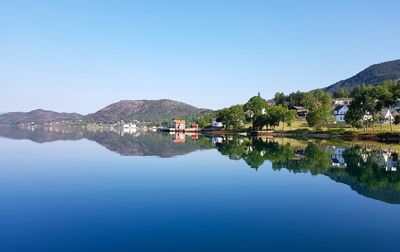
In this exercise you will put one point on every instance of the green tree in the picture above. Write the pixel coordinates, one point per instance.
(320, 113)
(397, 119)
(290, 116)
(254, 108)
(341, 93)
(272, 117)
(280, 99)
(232, 117)
(363, 109)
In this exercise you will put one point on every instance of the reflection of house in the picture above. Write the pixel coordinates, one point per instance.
(179, 138)
(337, 157)
(129, 126)
(388, 160)
(216, 139)
(300, 111)
(216, 124)
(339, 112)
(180, 124)
(386, 116)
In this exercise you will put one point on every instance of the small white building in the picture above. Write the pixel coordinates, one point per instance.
(129, 126)
(216, 124)
(387, 116)
(339, 113)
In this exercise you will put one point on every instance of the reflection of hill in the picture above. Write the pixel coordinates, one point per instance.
(143, 144)
(384, 191)
(370, 171)
(147, 144)
(39, 135)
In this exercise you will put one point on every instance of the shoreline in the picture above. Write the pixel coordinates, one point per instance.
(370, 136)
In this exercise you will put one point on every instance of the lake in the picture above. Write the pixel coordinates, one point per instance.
(69, 190)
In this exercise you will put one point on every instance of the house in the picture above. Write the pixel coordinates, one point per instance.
(180, 124)
(216, 124)
(300, 111)
(386, 116)
(339, 113)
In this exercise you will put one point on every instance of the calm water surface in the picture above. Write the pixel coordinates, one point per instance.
(106, 191)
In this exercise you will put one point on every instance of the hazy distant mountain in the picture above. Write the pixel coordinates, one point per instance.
(145, 110)
(38, 116)
(372, 75)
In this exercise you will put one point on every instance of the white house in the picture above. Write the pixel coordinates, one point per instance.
(339, 112)
(216, 124)
(387, 116)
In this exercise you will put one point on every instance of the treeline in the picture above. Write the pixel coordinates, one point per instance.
(256, 113)
(367, 104)
(318, 103)
(260, 114)
(364, 110)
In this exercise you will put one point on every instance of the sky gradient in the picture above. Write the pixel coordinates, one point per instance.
(78, 56)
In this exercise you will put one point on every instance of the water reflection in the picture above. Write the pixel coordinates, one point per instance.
(369, 169)
(125, 143)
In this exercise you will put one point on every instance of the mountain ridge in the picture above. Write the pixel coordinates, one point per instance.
(38, 116)
(127, 110)
(372, 75)
(145, 110)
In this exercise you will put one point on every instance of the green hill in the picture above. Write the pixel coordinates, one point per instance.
(38, 116)
(372, 75)
(145, 111)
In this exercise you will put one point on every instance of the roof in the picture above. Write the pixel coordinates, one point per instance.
(385, 111)
(299, 108)
(338, 108)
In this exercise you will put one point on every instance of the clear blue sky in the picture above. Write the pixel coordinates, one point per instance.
(82, 55)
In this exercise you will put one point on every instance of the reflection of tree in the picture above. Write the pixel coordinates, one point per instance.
(364, 172)
(368, 171)
(143, 144)
(314, 159)
(234, 149)
(254, 152)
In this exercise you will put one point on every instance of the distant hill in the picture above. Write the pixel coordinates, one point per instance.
(145, 110)
(372, 75)
(38, 116)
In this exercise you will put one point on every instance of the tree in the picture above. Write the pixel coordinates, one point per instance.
(290, 116)
(272, 117)
(232, 117)
(206, 119)
(320, 112)
(315, 118)
(341, 93)
(280, 99)
(397, 119)
(364, 107)
(254, 108)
